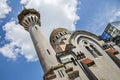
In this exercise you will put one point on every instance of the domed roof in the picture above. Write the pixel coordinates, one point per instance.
(26, 12)
(56, 32)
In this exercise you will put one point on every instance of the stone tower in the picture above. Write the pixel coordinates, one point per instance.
(30, 20)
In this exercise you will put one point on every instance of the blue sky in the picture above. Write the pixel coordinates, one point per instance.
(18, 60)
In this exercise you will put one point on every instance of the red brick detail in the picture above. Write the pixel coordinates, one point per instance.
(112, 51)
(50, 76)
(69, 69)
(74, 74)
(88, 62)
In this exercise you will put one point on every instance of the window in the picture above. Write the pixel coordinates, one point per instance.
(61, 34)
(105, 46)
(36, 28)
(62, 73)
(74, 62)
(35, 19)
(26, 21)
(24, 24)
(53, 41)
(56, 37)
(85, 42)
(29, 19)
(91, 51)
(65, 32)
(48, 51)
(97, 52)
(88, 48)
(32, 18)
(59, 74)
(80, 55)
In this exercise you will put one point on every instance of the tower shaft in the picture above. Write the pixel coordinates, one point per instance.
(30, 20)
(44, 50)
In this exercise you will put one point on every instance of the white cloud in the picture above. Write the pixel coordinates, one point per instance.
(20, 42)
(54, 13)
(116, 14)
(7, 51)
(4, 8)
(101, 20)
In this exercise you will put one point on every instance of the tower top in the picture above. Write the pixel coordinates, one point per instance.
(26, 12)
(28, 16)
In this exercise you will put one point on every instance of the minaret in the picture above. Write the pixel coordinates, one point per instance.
(30, 20)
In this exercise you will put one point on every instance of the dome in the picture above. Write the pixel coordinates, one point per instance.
(56, 33)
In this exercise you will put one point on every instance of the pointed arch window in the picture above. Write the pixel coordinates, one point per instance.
(29, 19)
(74, 62)
(32, 18)
(56, 37)
(53, 41)
(85, 42)
(91, 51)
(36, 28)
(65, 32)
(61, 34)
(26, 21)
(96, 50)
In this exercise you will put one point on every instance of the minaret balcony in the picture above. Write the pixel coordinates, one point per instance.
(29, 17)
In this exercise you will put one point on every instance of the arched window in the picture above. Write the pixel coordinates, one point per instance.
(36, 28)
(85, 42)
(61, 34)
(65, 32)
(74, 61)
(80, 55)
(32, 18)
(29, 19)
(91, 51)
(88, 48)
(97, 52)
(35, 19)
(56, 37)
(26, 21)
(53, 41)
(24, 24)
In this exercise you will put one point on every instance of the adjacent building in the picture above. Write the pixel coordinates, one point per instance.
(78, 55)
(112, 33)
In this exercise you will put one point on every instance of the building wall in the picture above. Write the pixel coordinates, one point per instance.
(104, 67)
(103, 63)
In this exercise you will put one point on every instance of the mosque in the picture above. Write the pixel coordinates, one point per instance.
(78, 55)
